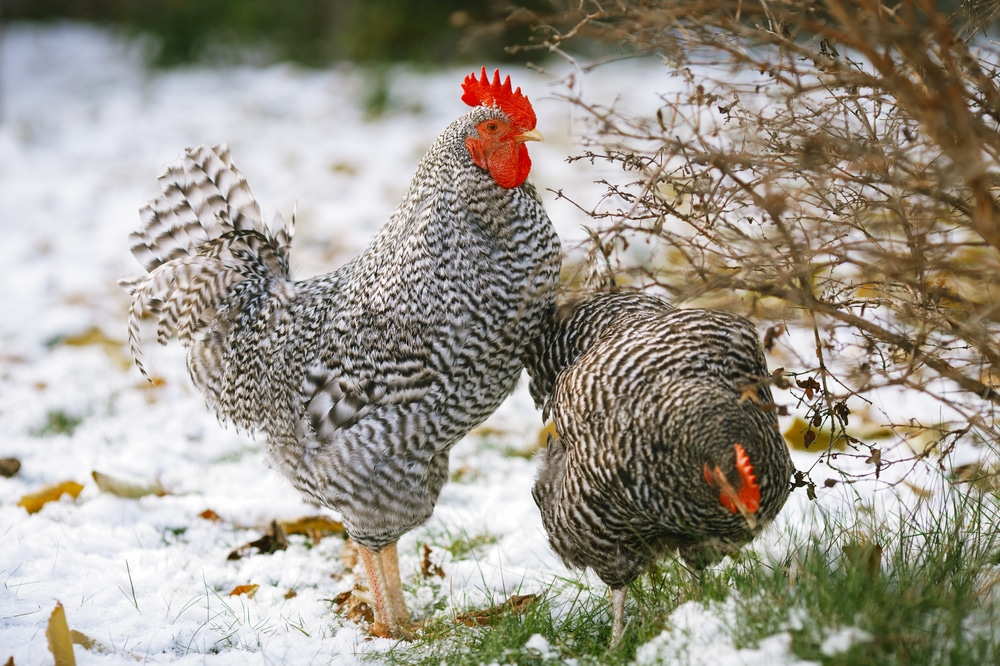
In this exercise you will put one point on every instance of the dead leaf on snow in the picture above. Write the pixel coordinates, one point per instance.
(9, 467)
(88, 643)
(517, 604)
(127, 489)
(427, 567)
(249, 590)
(33, 502)
(273, 540)
(208, 514)
(9, 662)
(314, 527)
(353, 605)
(60, 643)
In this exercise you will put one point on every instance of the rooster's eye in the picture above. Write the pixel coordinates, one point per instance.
(492, 127)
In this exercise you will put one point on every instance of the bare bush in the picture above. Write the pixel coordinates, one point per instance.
(829, 169)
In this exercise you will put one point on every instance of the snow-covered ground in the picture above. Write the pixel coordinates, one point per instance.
(84, 131)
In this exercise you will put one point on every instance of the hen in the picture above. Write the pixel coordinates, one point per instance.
(667, 436)
(363, 379)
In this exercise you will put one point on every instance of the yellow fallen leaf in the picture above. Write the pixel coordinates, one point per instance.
(126, 489)
(88, 643)
(33, 502)
(60, 643)
(248, 590)
(312, 526)
(90, 336)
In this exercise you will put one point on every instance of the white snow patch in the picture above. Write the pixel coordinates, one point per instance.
(842, 640)
(699, 635)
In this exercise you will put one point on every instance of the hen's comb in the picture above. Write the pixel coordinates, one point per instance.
(483, 92)
(748, 493)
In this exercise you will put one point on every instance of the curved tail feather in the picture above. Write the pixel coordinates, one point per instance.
(204, 247)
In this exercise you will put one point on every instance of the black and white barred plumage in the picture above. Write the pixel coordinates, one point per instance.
(361, 379)
(645, 398)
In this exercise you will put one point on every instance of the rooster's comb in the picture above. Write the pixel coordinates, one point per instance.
(483, 92)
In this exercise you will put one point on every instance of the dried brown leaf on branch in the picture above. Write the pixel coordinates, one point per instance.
(828, 169)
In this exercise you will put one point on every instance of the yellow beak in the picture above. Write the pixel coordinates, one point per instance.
(530, 135)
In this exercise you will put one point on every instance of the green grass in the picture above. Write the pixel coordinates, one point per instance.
(921, 590)
(57, 422)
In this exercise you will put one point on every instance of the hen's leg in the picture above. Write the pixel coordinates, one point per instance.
(386, 625)
(617, 613)
(394, 584)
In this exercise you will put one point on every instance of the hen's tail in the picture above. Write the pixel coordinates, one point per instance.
(204, 247)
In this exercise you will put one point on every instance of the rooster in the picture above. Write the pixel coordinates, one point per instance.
(360, 380)
(667, 436)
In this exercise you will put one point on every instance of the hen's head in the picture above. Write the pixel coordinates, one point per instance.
(497, 143)
(745, 498)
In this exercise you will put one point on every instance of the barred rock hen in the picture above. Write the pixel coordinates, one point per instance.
(361, 380)
(659, 447)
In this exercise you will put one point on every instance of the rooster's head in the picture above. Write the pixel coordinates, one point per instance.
(498, 143)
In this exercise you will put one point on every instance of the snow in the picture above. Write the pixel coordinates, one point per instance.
(84, 131)
(698, 636)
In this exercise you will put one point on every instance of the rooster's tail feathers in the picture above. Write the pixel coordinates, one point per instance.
(199, 241)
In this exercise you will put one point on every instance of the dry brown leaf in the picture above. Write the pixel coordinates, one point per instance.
(428, 568)
(518, 604)
(354, 606)
(314, 527)
(127, 489)
(60, 642)
(249, 590)
(271, 541)
(9, 662)
(208, 514)
(9, 467)
(291, 594)
(33, 502)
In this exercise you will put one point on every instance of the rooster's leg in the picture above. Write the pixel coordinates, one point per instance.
(394, 584)
(385, 624)
(617, 613)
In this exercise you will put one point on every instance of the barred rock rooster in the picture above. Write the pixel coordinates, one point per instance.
(363, 379)
(667, 436)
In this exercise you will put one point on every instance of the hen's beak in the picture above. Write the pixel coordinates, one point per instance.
(530, 135)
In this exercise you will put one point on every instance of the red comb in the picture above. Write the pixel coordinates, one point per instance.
(748, 493)
(483, 92)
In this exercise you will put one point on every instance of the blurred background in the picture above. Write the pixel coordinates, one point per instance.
(309, 32)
